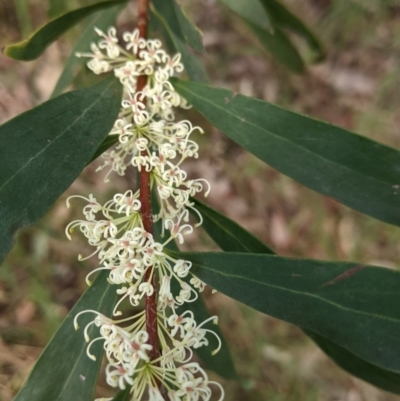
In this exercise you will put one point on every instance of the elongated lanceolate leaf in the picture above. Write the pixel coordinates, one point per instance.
(43, 150)
(36, 44)
(56, 8)
(233, 238)
(280, 46)
(222, 362)
(282, 17)
(267, 23)
(227, 234)
(101, 20)
(23, 16)
(123, 395)
(352, 305)
(361, 173)
(63, 371)
(379, 377)
(250, 10)
(271, 37)
(110, 140)
(179, 23)
(193, 66)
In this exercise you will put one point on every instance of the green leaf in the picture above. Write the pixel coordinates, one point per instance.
(222, 362)
(352, 169)
(36, 44)
(123, 395)
(179, 24)
(282, 17)
(250, 10)
(193, 66)
(382, 378)
(63, 371)
(281, 48)
(43, 150)
(101, 20)
(105, 145)
(354, 306)
(227, 234)
(22, 11)
(272, 38)
(233, 238)
(56, 8)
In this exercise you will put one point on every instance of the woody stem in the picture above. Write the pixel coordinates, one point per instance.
(146, 208)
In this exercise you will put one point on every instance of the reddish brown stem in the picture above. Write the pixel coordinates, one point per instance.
(146, 208)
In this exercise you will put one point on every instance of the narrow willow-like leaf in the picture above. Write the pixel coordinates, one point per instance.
(250, 10)
(282, 17)
(274, 40)
(179, 23)
(226, 233)
(361, 173)
(193, 66)
(233, 238)
(43, 150)
(36, 44)
(24, 20)
(123, 395)
(101, 20)
(352, 305)
(63, 371)
(222, 362)
(57, 8)
(280, 46)
(269, 34)
(382, 378)
(106, 144)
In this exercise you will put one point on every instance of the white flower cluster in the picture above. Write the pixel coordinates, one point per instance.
(150, 139)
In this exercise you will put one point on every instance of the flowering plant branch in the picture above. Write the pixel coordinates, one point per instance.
(152, 350)
(149, 352)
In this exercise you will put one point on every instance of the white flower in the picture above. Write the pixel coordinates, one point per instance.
(182, 267)
(136, 348)
(119, 375)
(177, 229)
(197, 283)
(110, 42)
(134, 41)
